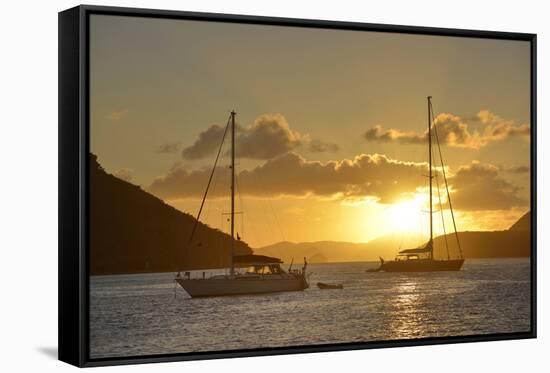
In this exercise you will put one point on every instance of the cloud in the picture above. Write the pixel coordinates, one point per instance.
(125, 174)
(318, 146)
(207, 143)
(478, 186)
(517, 169)
(269, 136)
(497, 129)
(453, 131)
(115, 116)
(378, 133)
(474, 187)
(168, 148)
(375, 176)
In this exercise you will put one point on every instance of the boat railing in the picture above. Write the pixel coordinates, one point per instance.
(243, 273)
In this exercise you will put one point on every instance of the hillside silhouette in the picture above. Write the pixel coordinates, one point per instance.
(523, 224)
(132, 231)
(513, 242)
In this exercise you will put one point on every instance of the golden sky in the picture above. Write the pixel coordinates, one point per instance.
(331, 138)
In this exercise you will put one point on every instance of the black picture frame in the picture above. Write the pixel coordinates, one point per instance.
(73, 182)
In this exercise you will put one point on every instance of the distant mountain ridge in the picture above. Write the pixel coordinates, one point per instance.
(132, 231)
(514, 242)
(315, 252)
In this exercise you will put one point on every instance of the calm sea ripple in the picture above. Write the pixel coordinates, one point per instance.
(144, 314)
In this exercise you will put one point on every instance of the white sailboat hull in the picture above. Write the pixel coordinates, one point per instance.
(241, 285)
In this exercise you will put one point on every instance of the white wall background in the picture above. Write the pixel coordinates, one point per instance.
(28, 184)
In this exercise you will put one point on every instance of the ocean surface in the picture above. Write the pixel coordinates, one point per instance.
(146, 314)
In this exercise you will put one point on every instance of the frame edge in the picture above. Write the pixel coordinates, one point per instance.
(73, 168)
(69, 249)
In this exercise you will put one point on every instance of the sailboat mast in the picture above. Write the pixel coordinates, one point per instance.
(232, 192)
(430, 171)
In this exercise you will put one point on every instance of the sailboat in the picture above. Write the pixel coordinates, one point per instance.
(248, 274)
(421, 259)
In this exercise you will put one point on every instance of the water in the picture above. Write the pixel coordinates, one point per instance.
(138, 314)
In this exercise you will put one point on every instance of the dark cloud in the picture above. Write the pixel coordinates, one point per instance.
(268, 137)
(318, 146)
(168, 148)
(207, 143)
(374, 176)
(454, 131)
(478, 186)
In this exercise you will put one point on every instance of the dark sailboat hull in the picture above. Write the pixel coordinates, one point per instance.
(422, 265)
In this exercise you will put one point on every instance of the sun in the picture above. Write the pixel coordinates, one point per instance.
(407, 215)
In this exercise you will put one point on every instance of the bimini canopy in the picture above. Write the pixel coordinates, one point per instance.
(251, 259)
(420, 250)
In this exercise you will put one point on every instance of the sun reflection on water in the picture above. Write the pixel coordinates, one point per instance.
(408, 311)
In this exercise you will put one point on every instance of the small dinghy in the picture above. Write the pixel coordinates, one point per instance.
(322, 285)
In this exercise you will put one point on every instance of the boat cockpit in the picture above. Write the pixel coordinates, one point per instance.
(420, 253)
(264, 269)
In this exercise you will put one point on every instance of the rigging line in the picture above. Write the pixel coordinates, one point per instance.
(261, 183)
(251, 220)
(274, 215)
(208, 185)
(446, 183)
(209, 207)
(221, 241)
(442, 214)
(238, 189)
(208, 204)
(276, 219)
(422, 225)
(419, 180)
(239, 193)
(226, 221)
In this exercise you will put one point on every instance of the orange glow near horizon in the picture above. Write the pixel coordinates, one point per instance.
(268, 221)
